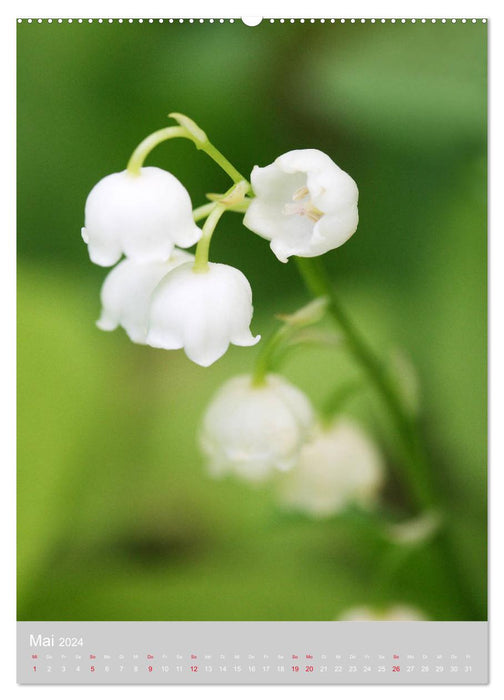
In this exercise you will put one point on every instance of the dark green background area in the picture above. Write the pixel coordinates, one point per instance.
(117, 517)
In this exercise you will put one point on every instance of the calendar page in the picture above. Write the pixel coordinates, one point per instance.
(252, 350)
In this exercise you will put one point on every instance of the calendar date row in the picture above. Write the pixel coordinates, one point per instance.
(207, 668)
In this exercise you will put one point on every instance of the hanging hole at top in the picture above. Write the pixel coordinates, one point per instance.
(251, 21)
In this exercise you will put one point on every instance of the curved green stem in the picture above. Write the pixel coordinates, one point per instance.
(293, 325)
(319, 284)
(240, 207)
(203, 211)
(202, 249)
(221, 160)
(232, 198)
(150, 142)
(417, 472)
(265, 358)
(194, 134)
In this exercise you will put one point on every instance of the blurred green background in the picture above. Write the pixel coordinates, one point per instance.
(117, 517)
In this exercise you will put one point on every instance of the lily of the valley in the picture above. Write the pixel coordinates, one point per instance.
(339, 467)
(201, 311)
(304, 204)
(254, 430)
(127, 290)
(142, 216)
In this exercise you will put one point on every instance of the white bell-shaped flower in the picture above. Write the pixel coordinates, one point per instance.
(339, 467)
(253, 431)
(394, 613)
(202, 312)
(304, 204)
(141, 216)
(127, 291)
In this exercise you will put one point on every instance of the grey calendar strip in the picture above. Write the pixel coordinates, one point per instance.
(252, 652)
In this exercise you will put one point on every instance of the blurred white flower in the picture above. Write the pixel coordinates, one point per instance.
(394, 613)
(304, 204)
(202, 312)
(143, 216)
(252, 431)
(126, 293)
(339, 467)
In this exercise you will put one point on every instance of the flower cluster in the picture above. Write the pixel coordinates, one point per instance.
(168, 298)
(141, 220)
(156, 293)
(258, 426)
(255, 431)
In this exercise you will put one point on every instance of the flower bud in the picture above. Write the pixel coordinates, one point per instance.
(252, 431)
(339, 467)
(141, 216)
(126, 293)
(202, 312)
(304, 204)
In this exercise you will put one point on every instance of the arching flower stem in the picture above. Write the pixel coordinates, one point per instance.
(417, 470)
(318, 283)
(186, 130)
(232, 198)
(293, 325)
(150, 142)
(203, 247)
(266, 358)
(205, 209)
(202, 212)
